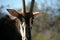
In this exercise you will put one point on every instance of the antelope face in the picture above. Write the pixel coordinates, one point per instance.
(23, 23)
(24, 20)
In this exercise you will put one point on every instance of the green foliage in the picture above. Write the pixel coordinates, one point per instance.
(44, 28)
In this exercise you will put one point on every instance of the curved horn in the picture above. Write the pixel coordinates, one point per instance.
(24, 8)
(32, 5)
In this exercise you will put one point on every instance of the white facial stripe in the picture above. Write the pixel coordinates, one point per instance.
(22, 29)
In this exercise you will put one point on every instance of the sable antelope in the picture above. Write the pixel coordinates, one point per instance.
(19, 26)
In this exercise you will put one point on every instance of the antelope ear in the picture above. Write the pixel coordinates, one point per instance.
(36, 13)
(13, 12)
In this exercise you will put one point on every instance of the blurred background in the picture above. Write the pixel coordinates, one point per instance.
(46, 25)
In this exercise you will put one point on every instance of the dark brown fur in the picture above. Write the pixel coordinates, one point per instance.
(8, 29)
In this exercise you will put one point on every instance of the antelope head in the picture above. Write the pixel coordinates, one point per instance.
(24, 20)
